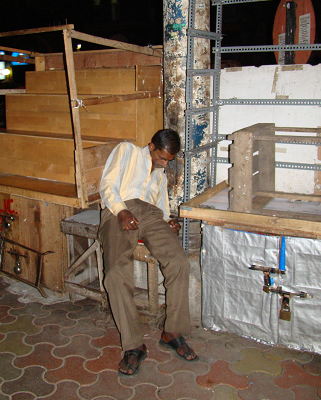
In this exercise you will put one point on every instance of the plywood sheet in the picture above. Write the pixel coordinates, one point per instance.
(92, 124)
(103, 58)
(38, 226)
(89, 81)
(60, 103)
(149, 119)
(149, 78)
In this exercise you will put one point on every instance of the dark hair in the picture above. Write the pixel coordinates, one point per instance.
(167, 139)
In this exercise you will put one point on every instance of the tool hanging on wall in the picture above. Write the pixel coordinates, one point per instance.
(17, 266)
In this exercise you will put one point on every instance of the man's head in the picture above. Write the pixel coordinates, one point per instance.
(164, 146)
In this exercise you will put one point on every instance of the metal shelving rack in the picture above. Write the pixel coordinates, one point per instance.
(216, 101)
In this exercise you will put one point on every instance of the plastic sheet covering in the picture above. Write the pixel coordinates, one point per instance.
(233, 299)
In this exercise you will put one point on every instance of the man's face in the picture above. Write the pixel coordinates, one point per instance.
(160, 158)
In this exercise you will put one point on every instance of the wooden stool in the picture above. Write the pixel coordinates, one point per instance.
(85, 225)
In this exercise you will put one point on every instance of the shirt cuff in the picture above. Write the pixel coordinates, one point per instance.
(118, 207)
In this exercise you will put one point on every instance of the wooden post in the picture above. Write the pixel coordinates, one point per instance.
(264, 153)
(79, 156)
(241, 155)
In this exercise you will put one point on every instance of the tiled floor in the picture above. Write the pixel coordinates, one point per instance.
(71, 351)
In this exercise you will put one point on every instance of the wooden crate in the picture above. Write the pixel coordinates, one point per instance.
(97, 81)
(135, 120)
(54, 150)
(252, 155)
(244, 203)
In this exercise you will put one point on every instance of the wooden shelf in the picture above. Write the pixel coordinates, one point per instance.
(40, 189)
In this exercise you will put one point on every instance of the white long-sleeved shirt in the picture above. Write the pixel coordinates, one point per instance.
(127, 175)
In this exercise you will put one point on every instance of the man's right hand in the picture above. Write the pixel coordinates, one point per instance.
(127, 220)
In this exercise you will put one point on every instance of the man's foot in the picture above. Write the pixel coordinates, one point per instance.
(177, 344)
(130, 364)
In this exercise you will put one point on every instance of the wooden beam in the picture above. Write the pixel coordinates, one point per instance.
(12, 50)
(288, 138)
(79, 156)
(114, 43)
(292, 129)
(208, 194)
(290, 196)
(20, 59)
(116, 98)
(255, 223)
(47, 197)
(12, 91)
(37, 30)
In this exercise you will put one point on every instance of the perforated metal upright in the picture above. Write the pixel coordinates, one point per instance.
(216, 101)
(190, 110)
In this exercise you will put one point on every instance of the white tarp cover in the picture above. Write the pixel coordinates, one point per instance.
(233, 299)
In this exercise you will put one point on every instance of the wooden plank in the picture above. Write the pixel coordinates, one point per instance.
(20, 59)
(28, 52)
(39, 185)
(101, 81)
(118, 126)
(266, 162)
(149, 119)
(260, 202)
(290, 196)
(79, 157)
(254, 223)
(291, 215)
(295, 129)
(37, 149)
(60, 103)
(38, 227)
(258, 129)
(240, 195)
(40, 63)
(120, 98)
(116, 44)
(9, 185)
(87, 141)
(149, 78)
(208, 194)
(39, 157)
(96, 156)
(288, 138)
(94, 161)
(39, 170)
(9, 91)
(37, 30)
(106, 58)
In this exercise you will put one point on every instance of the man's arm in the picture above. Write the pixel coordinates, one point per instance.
(109, 188)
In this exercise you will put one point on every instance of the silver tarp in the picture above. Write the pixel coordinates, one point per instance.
(233, 298)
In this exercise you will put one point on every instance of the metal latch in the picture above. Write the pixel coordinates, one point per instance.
(285, 311)
(266, 274)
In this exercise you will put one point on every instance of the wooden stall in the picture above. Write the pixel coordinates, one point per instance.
(59, 132)
(248, 200)
(260, 258)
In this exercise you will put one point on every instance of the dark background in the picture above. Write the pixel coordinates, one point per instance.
(138, 22)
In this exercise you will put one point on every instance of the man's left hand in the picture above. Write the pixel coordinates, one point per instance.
(174, 225)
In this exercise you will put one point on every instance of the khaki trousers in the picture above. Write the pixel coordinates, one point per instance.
(163, 244)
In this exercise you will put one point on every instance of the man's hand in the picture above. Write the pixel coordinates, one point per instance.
(174, 225)
(127, 220)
